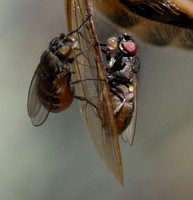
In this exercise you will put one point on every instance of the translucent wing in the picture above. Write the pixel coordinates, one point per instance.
(98, 116)
(129, 133)
(36, 111)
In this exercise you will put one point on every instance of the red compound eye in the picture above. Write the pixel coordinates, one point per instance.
(130, 47)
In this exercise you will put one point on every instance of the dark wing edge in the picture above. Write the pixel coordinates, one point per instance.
(36, 111)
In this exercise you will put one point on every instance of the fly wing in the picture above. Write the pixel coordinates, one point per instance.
(175, 12)
(36, 111)
(97, 110)
(129, 133)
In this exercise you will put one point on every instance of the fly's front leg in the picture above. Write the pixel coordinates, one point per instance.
(71, 60)
(80, 27)
(107, 52)
(87, 79)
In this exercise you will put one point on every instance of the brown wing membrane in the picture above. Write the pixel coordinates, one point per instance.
(36, 111)
(178, 13)
(100, 121)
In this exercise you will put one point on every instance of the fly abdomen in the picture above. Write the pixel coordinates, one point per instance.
(124, 115)
(63, 96)
(56, 95)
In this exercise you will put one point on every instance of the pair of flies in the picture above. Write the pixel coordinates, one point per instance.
(73, 67)
(52, 88)
(107, 93)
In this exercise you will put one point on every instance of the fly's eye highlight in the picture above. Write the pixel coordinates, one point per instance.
(75, 43)
(112, 43)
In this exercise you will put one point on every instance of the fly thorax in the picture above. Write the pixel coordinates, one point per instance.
(64, 52)
(49, 63)
(127, 70)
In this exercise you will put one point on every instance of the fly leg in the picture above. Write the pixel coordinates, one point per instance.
(70, 60)
(87, 79)
(85, 99)
(118, 93)
(80, 27)
(89, 102)
(107, 52)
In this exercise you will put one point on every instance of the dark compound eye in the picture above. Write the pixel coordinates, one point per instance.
(130, 47)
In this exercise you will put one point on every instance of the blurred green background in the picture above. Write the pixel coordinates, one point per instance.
(58, 161)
